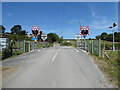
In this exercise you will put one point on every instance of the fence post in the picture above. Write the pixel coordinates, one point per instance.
(88, 46)
(23, 45)
(36, 45)
(28, 46)
(99, 48)
(92, 46)
(103, 51)
(32, 45)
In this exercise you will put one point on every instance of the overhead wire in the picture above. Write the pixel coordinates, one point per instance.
(62, 18)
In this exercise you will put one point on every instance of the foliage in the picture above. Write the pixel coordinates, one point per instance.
(52, 37)
(17, 52)
(66, 44)
(16, 29)
(39, 37)
(2, 28)
(109, 37)
(110, 66)
(60, 40)
(6, 53)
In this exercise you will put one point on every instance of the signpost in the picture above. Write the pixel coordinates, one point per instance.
(78, 37)
(4, 42)
(35, 32)
(114, 25)
(84, 30)
(44, 37)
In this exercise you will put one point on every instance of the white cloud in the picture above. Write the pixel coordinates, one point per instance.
(9, 14)
(99, 22)
(92, 9)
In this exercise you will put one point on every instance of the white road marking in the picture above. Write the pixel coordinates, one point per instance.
(54, 56)
(76, 50)
(38, 50)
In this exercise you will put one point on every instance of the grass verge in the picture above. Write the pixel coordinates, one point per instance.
(109, 66)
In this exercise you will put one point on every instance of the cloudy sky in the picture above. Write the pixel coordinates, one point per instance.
(63, 18)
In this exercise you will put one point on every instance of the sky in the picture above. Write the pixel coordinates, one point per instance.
(62, 18)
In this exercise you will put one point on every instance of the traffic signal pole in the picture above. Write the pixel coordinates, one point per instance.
(84, 42)
(113, 42)
(114, 25)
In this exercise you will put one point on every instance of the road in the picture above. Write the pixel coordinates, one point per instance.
(55, 67)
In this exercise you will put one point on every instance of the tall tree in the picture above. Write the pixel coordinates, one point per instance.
(39, 36)
(104, 36)
(2, 30)
(16, 29)
(52, 37)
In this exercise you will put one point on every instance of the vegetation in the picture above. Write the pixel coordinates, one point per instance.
(2, 30)
(66, 44)
(6, 53)
(110, 66)
(109, 37)
(52, 37)
(16, 37)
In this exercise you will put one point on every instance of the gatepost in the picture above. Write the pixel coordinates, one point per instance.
(23, 45)
(99, 48)
(92, 46)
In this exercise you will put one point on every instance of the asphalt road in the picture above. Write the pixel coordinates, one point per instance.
(55, 67)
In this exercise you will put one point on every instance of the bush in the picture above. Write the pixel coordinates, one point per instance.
(66, 44)
(17, 52)
(6, 53)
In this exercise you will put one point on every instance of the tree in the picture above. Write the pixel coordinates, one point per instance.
(23, 32)
(98, 37)
(39, 36)
(60, 40)
(16, 29)
(104, 36)
(2, 30)
(109, 37)
(52, 37)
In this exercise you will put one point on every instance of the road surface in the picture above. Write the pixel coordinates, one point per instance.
(55, 67)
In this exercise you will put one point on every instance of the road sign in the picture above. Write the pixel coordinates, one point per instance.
(44, 36)
(35, 30)
(4, 42)
(35, 38)
(84, 30)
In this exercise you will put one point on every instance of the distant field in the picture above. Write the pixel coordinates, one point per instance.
(108, 45)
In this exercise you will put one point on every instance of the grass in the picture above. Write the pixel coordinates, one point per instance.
(109, 66)
(72, 42)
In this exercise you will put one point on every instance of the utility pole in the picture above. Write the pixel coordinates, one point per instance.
(84, 42)
(113, 41)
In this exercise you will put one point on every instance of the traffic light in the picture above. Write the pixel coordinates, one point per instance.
(84, 32)
(35, 32)
(114, 24)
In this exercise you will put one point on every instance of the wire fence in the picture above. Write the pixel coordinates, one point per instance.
(25, 46)
(17, 48)
(97, 47)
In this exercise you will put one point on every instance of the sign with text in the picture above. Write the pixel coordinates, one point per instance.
(4, 42)
(44, 36)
